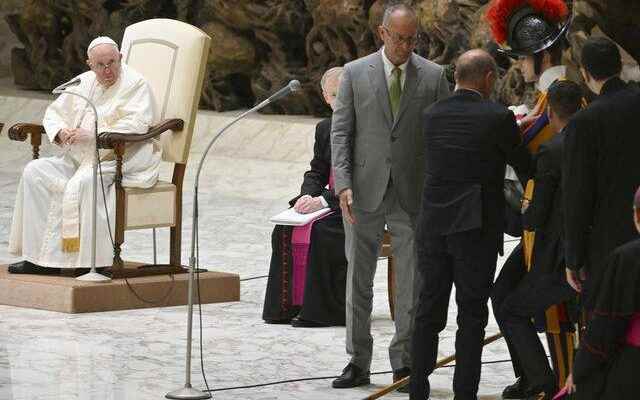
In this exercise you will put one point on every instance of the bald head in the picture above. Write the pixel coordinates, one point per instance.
(473, 66)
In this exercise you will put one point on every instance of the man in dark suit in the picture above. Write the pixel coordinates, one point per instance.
(515, 308)
(468, 142)
(602, 168)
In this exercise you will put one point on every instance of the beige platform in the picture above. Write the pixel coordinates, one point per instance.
(68, 295)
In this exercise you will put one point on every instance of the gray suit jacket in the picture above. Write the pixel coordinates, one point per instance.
(368, 146)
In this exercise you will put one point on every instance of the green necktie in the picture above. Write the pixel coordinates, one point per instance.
(395, 91)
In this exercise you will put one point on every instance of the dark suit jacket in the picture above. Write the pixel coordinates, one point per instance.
(317, 178)
(602, 172)
(545, 215)
(468, 142)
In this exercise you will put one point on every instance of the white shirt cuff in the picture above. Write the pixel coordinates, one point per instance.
(323, 201)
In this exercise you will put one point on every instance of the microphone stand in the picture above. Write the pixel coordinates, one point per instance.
(92, 275)
(188, 392)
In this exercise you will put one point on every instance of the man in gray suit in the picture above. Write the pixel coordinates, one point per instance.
(378, 160)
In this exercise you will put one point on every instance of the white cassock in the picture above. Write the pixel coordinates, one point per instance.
(51, 224)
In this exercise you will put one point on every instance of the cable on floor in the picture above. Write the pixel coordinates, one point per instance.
(319, 378)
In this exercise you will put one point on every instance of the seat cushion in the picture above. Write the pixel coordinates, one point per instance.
(150, 208)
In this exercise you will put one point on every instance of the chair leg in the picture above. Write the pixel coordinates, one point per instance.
(118, 241)
(391, 286)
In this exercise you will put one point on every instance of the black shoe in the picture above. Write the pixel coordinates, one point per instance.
(277, 321)
(26, 267)
(517, 390)
(352, 376)
(399, 374)
(305, 323)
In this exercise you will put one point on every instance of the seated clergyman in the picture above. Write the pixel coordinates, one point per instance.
(51, 226)
(307, 275)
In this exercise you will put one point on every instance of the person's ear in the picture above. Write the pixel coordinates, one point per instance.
(381, 32)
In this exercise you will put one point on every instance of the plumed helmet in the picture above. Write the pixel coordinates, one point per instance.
(527, 27)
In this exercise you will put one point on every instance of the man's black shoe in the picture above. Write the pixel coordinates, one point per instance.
(352, 376)
(305, 323)
(399, 374)
(26, 267)
(517, 390)
(277, 321)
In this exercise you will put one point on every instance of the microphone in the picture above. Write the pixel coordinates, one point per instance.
(64, 86)
(187, 392)
(293, 86)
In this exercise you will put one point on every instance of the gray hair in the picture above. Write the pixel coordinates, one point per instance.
(388, 12)
(335, 72)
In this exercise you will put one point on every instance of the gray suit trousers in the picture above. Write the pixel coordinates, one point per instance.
(362, 250)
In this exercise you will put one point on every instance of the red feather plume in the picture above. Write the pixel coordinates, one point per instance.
(500, 11)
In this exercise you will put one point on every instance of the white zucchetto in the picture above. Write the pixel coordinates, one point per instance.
(101, 40)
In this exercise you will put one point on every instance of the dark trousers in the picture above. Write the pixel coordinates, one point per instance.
(517, 297)
(468, 260)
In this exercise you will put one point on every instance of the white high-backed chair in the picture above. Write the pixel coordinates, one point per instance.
(172, 56)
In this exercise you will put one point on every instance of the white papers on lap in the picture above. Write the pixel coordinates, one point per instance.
(292, 217)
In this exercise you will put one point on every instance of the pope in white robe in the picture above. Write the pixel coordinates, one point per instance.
(51, 225)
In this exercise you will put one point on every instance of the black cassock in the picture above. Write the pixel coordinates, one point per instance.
(325, 282)
(606, 367)
(601, 174)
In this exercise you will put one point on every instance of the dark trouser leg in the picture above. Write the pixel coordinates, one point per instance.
(534, 295)
(474, 268)
(510, 276)
(435, 267)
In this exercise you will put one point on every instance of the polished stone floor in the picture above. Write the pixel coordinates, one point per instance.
(140, 354)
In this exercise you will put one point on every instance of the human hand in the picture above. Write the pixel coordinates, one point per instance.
(524, 205)
(575, 278)
(346, 202)
(79, 136)
(307, 204)
(63, 136)
(569, 386)
(525, 122)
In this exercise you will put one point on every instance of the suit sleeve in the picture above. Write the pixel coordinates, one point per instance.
(547, 180)
(578, 188)
(342, 131)
(510, 142)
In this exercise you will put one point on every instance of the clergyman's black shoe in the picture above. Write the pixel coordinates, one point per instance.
(352, 376)
(305, 323)
(26, 267)
(517, 390)
(399, 374)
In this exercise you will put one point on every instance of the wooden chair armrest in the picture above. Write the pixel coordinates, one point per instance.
(20, 132)
(110, 140)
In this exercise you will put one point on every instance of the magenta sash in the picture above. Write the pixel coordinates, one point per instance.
(300, 241)
(633, 331)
